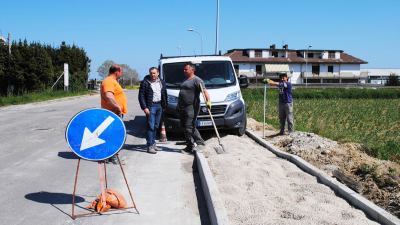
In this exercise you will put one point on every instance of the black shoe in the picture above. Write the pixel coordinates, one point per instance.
(112, 160)
(188, 150)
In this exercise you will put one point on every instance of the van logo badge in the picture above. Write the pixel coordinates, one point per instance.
(204, 109)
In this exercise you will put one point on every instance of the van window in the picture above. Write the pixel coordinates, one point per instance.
(214, 74)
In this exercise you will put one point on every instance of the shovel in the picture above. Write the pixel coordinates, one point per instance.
(220, 148)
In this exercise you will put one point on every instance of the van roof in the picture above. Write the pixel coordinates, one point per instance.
(174, 59)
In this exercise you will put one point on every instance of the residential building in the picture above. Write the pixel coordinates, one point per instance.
(379, 76)
(302, 65)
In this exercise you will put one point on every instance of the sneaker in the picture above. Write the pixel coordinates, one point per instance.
(151, 150)
(156, 147)
(200, 143)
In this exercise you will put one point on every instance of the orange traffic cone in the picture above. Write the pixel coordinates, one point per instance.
(163, 133)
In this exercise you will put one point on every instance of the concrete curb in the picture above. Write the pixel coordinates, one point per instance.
(355, 199)
(216, 209)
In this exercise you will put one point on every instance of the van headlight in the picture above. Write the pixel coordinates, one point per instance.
(233, 96)
(172, 99)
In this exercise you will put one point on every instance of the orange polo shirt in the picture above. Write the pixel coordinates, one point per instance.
(109, 84)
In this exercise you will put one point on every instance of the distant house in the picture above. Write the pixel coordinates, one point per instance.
(302, 65)
(379, 76)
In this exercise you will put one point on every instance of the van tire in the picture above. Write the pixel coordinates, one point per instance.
(242, 130)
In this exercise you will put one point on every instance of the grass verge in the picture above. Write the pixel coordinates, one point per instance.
(367, 116)
(38, 96)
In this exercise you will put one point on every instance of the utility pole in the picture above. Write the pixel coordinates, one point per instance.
(9, 43)
(217, 30)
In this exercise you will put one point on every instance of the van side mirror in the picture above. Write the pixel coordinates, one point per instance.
(243, 81)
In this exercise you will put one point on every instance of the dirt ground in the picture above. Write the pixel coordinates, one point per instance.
(377, 180)
(257, 187)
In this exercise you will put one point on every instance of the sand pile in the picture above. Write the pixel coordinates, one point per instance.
(259, 188)
(377, 180)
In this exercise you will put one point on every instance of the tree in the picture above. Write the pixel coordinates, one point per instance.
(35, 67)
(393, 80)
(103, 69)
(129, 75)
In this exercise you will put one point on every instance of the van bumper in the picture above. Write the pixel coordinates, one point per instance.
(232, 119)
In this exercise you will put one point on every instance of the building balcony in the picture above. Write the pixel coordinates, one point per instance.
(330, 75)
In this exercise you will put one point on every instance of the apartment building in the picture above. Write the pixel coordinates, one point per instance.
(302, 65)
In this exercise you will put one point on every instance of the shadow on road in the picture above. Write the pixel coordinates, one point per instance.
(67, 155)
(138, 148)
(201, 201)
(53, 198)
(136, 127)
(143, 148)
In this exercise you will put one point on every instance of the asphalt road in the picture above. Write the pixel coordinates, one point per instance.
(37, 170)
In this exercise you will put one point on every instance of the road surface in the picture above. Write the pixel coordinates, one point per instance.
(37, 170)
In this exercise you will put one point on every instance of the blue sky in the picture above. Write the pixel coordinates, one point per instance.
(137, 32)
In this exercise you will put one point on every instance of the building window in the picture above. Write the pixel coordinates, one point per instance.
(330, 69)
(331, 55)
(258, 69)
(274, 54)
(310, 55)
(236, 67)
(258, 54)
(315, 69)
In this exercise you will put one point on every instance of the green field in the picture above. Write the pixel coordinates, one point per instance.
(38, 96)
(367, 116)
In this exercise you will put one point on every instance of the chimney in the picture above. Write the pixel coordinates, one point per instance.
(285, 47)
(272, 46)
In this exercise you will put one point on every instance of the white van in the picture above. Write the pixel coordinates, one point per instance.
(217, 72)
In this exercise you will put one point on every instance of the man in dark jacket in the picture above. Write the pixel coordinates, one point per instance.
(153, 100)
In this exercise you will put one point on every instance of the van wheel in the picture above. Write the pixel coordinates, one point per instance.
(242, 130)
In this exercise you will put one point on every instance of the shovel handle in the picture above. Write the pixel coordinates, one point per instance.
(209, 112)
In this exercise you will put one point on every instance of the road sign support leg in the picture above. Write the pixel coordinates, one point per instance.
(102, 185)
(73, 193)
(105, 173)
(127, 185)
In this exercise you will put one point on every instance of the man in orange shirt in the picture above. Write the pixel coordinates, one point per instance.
(113, 97)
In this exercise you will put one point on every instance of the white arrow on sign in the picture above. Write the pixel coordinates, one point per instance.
(90, 139)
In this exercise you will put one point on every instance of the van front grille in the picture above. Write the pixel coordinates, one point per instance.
(215, 110)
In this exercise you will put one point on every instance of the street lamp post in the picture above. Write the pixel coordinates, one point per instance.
(180, 50)
(306, 57)
(217, 30)
(201, 39)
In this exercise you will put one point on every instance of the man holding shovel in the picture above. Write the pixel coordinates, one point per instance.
(285, 102)
(189, 106)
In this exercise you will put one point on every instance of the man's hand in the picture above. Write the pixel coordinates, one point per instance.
(266, 81)
(146, 111)
(208, 104)
(118, 110)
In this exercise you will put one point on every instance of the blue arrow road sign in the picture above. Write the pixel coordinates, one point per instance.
(95, 134)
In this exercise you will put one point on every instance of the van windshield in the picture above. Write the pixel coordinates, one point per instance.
(214, 74)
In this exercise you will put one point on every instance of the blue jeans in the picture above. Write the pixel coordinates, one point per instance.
(153, 123)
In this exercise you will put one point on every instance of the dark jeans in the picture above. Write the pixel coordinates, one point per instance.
(286, 116)
(188, 117)
(153, 123)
